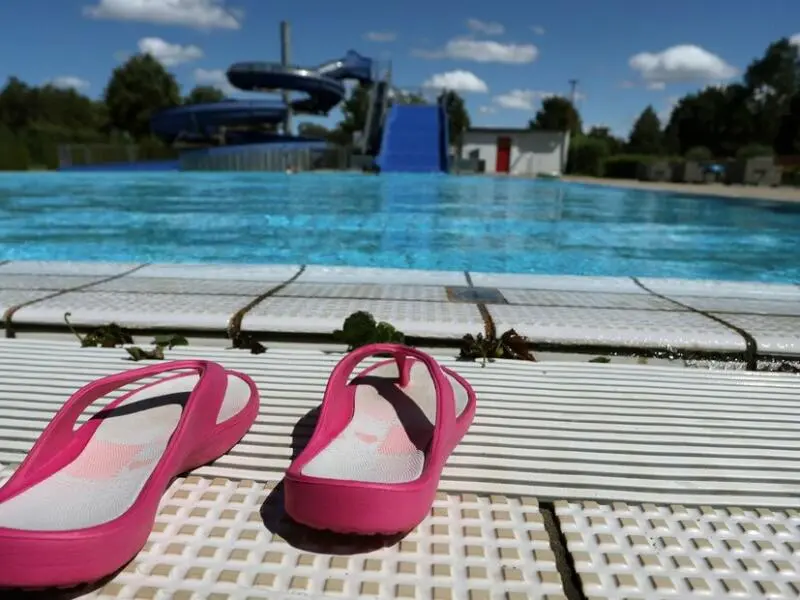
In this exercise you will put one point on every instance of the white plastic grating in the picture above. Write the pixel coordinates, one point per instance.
(221, 539)
(654, 552)
(552, 430)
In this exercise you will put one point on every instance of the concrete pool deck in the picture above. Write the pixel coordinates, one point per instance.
(612, 315)
(577, 480)
(744, 192)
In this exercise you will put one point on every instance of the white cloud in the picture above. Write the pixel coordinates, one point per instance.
(200, 14)
(656, 85)
(169, 54)
(538, 30)
(215, 78)
(486, 27)
(487, 110)
(520, 99)
(526, 99)
(795, 40)
(681, 64)
(380, 36)
(458, 80)
(483, 51)
(69, 82)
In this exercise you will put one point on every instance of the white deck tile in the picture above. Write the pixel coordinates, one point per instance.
(627, 328)
(44, 282)
(194, 312)
(773, 334)
(365, 275)
(783, 306)
(64, 267)
(367, 291)
(12, 298)
(722, 289)
(587, 299)
(574, 283)
(445, 320)
(278, 273)
(183, 285)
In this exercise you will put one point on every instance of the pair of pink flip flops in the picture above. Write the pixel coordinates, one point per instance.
(84, 500)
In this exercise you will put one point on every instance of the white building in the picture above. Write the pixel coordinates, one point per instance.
(517, 151)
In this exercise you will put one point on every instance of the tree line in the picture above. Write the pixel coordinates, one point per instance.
(36, 120)
(756, 116)
(760, 114)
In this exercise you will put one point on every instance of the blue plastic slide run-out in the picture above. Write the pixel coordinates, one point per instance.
(414, 140)
(322, 88)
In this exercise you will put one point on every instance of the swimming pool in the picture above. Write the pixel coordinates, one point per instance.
(406, 221)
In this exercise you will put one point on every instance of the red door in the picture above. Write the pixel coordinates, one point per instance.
(503, 164)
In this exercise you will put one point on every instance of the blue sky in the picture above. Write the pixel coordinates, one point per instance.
(505, 56)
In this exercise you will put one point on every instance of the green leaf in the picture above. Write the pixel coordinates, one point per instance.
(361, 329)
(137, 354)
(170, 340)
(600, 359)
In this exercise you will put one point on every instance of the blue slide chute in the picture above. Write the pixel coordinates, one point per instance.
(322, 88)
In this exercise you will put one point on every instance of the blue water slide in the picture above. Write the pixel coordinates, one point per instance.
(321, 87)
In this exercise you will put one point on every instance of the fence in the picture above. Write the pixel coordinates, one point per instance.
(298, 156)
(86, 155)
(266, 158)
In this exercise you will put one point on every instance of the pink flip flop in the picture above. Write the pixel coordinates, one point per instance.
(84, 500)
(374, 461)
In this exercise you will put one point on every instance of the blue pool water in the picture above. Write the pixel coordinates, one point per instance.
(426, 222)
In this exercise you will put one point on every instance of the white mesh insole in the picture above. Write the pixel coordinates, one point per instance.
(105, 479)
(387, 438)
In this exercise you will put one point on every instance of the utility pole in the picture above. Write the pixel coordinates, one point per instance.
(573, 91)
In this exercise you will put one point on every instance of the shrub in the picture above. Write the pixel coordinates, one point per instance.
(754, 151)
(699, 154)
(587, 156)
(626, 166)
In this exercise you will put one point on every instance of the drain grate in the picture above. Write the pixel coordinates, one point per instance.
(475, 295)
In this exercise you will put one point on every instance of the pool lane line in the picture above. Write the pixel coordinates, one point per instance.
(234, 329)
(9, 314)
(751, 346)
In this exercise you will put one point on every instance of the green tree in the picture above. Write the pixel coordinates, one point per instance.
(313, 130)
(718, 118)
(138, 89)
(557, 114)
(16, 109)
(787, 141)
(204, 94)
(406, 97)
(646, 136)
(458, 120)
(772, 81)
(603, 134)
(354, 110)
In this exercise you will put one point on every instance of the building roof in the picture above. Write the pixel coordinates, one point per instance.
(509, 130)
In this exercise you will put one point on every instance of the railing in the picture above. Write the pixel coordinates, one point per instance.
(84, 155)
(266, 159)
(414, 95)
